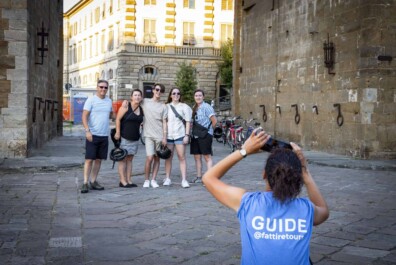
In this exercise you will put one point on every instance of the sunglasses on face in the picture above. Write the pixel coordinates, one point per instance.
(176, 93)
(103, 87)
(157, 89)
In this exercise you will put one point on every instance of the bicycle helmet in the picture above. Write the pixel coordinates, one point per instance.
(118, 154)
(164, 152)
(217, 132)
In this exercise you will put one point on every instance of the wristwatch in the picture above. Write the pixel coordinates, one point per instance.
(243, 152)
(87, 130)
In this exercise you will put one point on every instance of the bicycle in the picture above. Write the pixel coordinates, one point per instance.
(234, 135)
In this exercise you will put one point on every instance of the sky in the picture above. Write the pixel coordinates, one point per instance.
(67, 4)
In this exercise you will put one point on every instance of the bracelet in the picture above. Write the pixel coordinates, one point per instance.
(187, 134)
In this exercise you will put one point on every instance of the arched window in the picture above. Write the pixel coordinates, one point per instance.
(110, 74)
(75, 82)
(103, 76)
(149, 70)
(96, 76)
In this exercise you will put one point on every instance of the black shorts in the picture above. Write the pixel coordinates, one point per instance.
(201, 146)
(98, 148)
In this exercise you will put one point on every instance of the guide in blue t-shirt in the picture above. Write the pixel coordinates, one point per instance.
(275, 224)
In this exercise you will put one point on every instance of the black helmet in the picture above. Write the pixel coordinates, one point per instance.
(118, 154)
(217, 132)
(164, 152)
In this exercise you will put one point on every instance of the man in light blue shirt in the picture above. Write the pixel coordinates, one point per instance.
(96, 121)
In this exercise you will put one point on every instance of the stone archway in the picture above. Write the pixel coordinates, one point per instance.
(148, 76)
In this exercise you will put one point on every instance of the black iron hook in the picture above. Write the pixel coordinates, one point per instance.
(40, 100)
(297, 116)
(264, 113)
(279, 109)
(340, 118)
(315, 108)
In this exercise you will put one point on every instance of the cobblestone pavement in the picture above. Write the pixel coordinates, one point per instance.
(46, 220)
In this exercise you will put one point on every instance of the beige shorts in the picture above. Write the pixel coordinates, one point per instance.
(152, 145)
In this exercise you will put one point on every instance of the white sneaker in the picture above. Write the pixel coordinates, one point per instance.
(167, 182)
(146, 184)
(154, 184)
(185, 184)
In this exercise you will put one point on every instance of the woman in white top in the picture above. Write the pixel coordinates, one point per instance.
(179, 118)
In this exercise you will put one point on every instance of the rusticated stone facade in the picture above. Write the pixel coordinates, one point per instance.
(349, 108)
(165, 62)
(30, 92)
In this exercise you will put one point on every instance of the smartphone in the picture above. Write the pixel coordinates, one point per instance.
(275, 143)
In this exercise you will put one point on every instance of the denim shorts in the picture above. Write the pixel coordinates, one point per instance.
(175, 141)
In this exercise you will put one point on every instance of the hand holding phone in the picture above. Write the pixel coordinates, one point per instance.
(274, 143)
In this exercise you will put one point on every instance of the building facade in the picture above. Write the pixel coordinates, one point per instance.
(30, 75)
(135, 43)
(320, 73)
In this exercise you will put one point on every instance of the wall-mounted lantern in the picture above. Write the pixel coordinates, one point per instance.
(42, 43)
(329, 49)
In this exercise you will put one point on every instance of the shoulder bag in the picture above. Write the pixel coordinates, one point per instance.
(177, 114)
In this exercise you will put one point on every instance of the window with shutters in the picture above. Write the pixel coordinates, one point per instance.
(188, 33)
(90, 47)
(104, 11)
(227, 32)
(149, 31)
(111, 7)
(189, 4)
(103, 44)
(227, 4)
(110, 44)
(97, 15)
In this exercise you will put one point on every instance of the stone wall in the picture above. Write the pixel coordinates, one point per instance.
(279, 62)
(130, 71)
(30, 92)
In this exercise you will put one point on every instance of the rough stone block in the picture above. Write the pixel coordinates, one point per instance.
(5, 4)
(16, 35)
(21, 62)
(20, 14)
(15, 120)
(17, 74)
(18, 25)
(19, 86)
(7, 61)
(370, 95)
(18, 48)
(19, 4)
(3, 47)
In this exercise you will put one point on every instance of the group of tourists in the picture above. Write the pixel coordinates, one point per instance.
(164, 124)
(275, 224)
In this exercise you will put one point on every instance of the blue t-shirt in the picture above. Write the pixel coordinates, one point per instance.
(99, 116)
(275, 233)
(204, 112)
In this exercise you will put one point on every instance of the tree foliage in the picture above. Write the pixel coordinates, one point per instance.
(225, 67)
(186, 81)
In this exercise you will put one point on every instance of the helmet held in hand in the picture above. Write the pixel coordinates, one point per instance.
(217, 132)
(118, 154)
(164, 152)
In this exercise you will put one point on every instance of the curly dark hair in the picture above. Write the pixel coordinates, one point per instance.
(284, 174)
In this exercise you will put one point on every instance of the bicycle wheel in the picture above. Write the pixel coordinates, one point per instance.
(229, 143)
